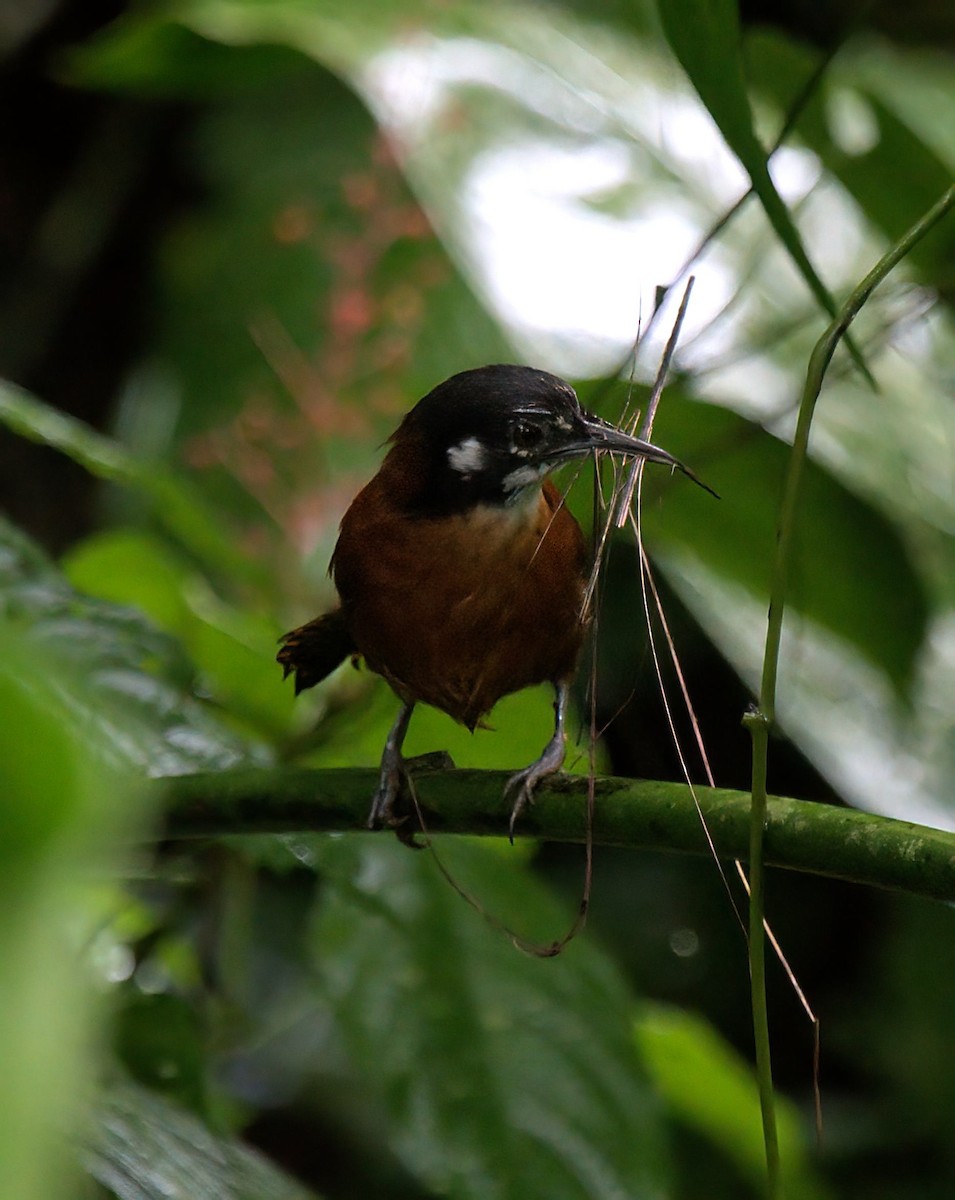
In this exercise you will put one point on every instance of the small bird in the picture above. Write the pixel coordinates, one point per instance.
(460, 571)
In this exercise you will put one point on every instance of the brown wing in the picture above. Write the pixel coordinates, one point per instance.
(314, 650)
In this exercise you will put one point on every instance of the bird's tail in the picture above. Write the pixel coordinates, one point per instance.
(314, 650)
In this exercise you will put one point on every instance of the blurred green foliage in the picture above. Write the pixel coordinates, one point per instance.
(66, 802)
(307, 190)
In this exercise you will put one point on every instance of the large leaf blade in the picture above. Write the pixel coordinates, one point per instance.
(142, 1147)
(133, 682)
(499, 1074)
(853, 573)
(705, 36)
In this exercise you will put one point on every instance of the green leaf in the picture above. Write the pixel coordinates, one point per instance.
(158, 56)
(497, 1074)
(778, 68)
(705, 36)
(159, 1040)
(132, 568)
(66, 806)
(131, 680)
(142, 1147)
(853, 573)
(710, 1088)
(174, 502)
(233, 648)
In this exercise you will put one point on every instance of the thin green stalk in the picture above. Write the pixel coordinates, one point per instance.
(760, 722)
(759, 732)
(818, 364)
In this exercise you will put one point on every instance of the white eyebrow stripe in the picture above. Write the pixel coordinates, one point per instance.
(467, 457)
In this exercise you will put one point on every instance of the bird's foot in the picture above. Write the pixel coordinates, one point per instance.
(393, 783)
(390, 780)
(522, 784)
(396, 785)
(392, 776)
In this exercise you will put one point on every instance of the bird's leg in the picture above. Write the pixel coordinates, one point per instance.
(524, 782)
(392, 772)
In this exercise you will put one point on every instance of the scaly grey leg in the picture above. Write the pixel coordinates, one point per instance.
(392, 772)
(524, 782)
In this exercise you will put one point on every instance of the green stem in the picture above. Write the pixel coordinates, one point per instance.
(759, 732)
(760, 722)
(821, 839)
(818, 364)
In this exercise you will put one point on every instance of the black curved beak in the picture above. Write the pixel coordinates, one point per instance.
(599, 434)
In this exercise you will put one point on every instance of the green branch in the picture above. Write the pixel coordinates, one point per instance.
(816, 838)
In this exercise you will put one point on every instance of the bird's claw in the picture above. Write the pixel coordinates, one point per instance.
(524, 782)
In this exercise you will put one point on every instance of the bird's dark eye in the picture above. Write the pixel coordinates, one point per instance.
(525, 435)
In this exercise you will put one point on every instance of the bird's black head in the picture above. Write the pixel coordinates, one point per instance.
(490, 435)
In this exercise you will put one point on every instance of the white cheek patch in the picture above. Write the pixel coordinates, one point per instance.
(467, 457)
